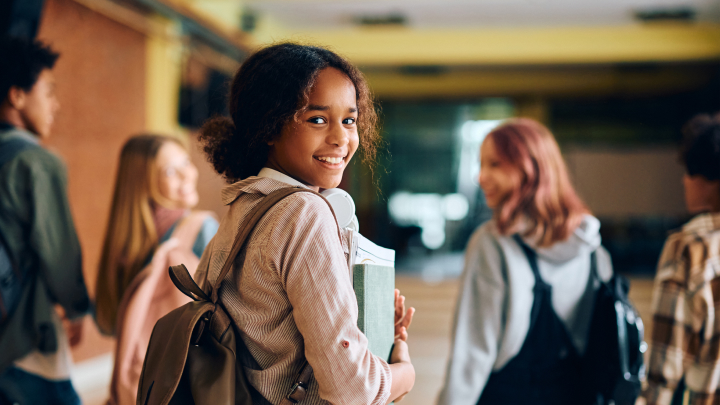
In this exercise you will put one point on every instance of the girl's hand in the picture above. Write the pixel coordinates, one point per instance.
(403, 318)
(404, 378)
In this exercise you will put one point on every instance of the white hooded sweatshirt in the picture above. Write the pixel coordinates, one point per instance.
(492, 315)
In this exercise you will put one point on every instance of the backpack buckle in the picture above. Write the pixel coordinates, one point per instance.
(297, 392)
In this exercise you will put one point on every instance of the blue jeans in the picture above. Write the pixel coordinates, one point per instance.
(23, 388)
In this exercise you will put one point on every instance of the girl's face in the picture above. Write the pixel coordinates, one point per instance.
(177, 176)
(317, 148)
(498, 178)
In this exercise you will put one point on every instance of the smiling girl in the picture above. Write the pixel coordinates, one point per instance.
(298, 115)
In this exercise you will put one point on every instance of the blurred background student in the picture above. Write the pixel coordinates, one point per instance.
(518, 334)
(41, 274)
(686, 297)
(151, 227)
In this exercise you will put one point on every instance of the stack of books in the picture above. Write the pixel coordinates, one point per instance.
(373, 275)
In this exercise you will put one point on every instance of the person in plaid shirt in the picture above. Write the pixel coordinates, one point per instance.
(685, 340)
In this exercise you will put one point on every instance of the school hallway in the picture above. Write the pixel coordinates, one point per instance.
(429, 339)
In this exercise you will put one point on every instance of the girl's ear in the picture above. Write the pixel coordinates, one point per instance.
(271, 143)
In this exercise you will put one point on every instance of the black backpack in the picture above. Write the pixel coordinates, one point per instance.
(12, 280)
(613, 364)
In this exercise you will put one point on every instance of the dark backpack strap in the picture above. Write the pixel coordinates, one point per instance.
(594, 267)
(532, 259)
(180, 276)
(540, 285)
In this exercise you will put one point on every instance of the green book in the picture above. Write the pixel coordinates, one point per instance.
(375, 291)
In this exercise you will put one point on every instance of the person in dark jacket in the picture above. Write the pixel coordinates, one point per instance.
(39, 235)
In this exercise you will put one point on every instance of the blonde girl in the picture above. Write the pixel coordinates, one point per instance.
(151, 227)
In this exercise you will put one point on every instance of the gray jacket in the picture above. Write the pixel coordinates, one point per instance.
(493, 309)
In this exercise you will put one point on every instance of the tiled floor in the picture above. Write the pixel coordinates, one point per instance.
(428, 341)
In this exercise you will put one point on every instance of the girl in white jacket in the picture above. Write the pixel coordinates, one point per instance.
(519, 332)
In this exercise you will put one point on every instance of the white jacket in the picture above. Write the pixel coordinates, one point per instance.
(492, 315)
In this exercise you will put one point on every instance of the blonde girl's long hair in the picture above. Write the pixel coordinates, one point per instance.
(130, 236)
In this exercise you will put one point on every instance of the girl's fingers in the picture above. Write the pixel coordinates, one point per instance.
(399, 308)
(407, 319)
(401, 328)
(401, 334)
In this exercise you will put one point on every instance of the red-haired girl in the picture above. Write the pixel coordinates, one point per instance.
(519, 330)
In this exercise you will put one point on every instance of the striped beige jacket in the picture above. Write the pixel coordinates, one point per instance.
(291, 297)
(686, 326)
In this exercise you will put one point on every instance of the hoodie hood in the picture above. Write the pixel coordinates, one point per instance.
(584, 240)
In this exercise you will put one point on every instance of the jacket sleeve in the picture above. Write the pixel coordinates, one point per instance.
(52, 233)
(478, 322)
(314, 271)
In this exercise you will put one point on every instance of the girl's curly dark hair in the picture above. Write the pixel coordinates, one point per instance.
(270, 89)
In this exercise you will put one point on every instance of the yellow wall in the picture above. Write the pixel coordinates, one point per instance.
(520, 61)
(668, 42)
(163, 73)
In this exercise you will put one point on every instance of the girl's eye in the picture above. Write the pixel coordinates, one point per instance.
(349, 121)
(317, 120)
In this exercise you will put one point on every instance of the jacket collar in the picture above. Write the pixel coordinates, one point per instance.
(254, 185)
(703, 223)
(8, 131)
(276, 175)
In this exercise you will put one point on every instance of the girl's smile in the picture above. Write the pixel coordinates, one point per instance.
(177, 180)
(498, 179)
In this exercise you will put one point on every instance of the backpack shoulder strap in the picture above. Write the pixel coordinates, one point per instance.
(532, 259)
(184, 282)
(540, 285)
(594, 266)
(247, 226)
(180, 275)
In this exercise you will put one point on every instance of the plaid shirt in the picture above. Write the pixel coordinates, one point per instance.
(685, 338)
